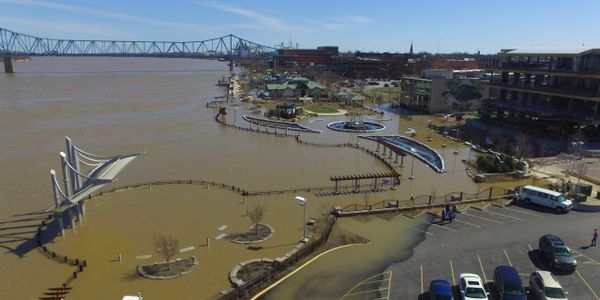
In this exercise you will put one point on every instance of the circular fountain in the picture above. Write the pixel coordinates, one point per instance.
(355, 124)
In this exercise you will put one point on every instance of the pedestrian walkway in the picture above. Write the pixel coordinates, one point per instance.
(554, 174)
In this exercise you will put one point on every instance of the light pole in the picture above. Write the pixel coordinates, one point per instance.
(412, 165)
(302, 202)
(235, 115)
(456, 145)
(430, 138)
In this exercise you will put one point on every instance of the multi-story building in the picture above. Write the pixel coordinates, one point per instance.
(438, 90)
(552, 94)
(304, 57)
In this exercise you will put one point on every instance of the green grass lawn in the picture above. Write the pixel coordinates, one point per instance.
(322, 108)
(389, 92)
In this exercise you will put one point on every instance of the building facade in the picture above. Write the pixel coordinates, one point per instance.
(438, 90)
(553, 94)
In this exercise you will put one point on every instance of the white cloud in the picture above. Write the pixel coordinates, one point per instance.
(105, 14)
(58, 29)
(261, 20)
(343, 23)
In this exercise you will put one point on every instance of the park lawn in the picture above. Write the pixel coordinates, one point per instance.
(389, 92)
(322, 108)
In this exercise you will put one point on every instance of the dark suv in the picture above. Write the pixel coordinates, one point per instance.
(508, 284)
(556, 253)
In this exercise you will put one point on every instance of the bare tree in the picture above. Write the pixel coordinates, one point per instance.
(522, 147)
(256, 214)
(582, 169)
(543, 149)
(166, 246)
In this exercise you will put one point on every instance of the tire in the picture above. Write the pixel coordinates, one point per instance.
(527, 201)
(559, 210)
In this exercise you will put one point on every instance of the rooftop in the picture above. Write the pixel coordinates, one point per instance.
(557, 51)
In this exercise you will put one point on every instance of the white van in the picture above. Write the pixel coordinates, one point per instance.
(549, 198)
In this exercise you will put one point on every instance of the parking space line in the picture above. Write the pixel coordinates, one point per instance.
(433, 224)
(535, 256)
(365, 292)
(587, 284)
(482, 218)
(368, 281)
(482, 271)
(374, 281)
(503, 215)
(475, 225)
(389, 285)
(507, 258)
(422, 280)
(422, 231)
(452, 270)
(587, 257)
(525, 212)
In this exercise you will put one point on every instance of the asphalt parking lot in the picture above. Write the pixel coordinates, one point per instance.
(479, 240)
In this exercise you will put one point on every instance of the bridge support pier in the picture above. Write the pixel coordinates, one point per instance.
(8, 65)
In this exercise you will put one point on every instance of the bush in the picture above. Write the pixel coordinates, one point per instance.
(489, 164)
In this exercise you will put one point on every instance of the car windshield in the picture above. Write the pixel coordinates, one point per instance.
(554, 293)
(514, 290)
(562, 251)
(561, 198)
(475, 292)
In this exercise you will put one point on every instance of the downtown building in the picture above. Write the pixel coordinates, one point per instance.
(552, 95)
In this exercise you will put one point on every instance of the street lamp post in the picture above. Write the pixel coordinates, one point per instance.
(430, 138)
(412, 165)
(302, 202)
(456, 144)
(235, 115)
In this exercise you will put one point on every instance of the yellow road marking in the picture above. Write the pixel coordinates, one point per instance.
(525, 212)
(389, 289)
(482, 271)
(587, 284)
(482, 218)
(422, 291)
(452, 270)
(365, 292)
(467, 223)
(507, 258)
(589, 258)
(374, 281)
(300, 268)
(367, 281)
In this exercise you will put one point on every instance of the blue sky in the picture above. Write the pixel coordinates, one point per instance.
(460, 25)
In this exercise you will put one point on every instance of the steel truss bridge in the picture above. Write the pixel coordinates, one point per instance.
(229, 47)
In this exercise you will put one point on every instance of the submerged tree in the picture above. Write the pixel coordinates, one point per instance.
(166, 246)
(256, 214)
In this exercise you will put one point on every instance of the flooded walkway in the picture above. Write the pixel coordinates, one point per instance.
(345, 273)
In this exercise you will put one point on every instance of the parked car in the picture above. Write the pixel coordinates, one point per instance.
(545, 197)
(508, 284)
(556, 253)
(471, 287)
(544, 286)
(440, 289)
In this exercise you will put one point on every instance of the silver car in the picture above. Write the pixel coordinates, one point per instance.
(543, 285)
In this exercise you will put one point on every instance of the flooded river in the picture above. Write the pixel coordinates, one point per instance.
(123, 105)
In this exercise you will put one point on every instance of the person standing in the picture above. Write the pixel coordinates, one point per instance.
(594, 237)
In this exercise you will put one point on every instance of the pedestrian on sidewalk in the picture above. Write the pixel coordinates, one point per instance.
(594, 237)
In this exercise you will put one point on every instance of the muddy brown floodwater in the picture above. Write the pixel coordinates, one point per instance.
(123, 105)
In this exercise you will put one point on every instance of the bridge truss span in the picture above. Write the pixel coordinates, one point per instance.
(229, 47)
